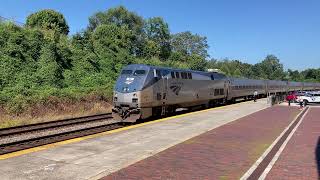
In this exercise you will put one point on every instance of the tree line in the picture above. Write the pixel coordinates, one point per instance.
(40, 61)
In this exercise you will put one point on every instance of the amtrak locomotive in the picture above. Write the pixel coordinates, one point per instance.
(142, 91)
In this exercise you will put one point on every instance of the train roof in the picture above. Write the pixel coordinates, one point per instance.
(135, 66)
(145, 66)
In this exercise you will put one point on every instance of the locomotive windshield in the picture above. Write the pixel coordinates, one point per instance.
(132, 79)
(126, 72)
(139, 72)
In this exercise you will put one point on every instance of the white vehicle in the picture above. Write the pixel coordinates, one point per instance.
(311, 97)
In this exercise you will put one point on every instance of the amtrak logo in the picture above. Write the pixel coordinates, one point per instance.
(176, 89)
(129, 80)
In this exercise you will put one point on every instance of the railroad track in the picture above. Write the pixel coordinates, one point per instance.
(28, 136)
(33, 135)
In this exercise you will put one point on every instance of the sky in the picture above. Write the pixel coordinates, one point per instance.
(247, 30)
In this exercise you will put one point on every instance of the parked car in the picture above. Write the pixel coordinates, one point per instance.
(311, 97)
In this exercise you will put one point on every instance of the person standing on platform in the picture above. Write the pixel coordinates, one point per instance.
(300, 100)
(289, 98)
(255, 95)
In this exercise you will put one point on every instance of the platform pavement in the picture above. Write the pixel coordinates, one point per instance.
(300, 158)
(226, 152)
(97, 157)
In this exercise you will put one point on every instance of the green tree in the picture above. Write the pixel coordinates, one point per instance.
(197, 62)
(112, 45)
(294, 75)
(119, 16)
(269, 68)
(186, 44)
(19, 49)
(311, 74)
(49, 73)
(234, 68)
(158, 35)
(49, 20)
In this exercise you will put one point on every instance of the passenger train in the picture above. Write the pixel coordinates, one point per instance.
(142, 91)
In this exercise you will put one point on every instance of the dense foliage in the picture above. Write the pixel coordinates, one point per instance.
(40, 61)
(49, 20)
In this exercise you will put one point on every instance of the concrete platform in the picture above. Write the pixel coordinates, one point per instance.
(300, 159)
(102, 155)
(226, 152)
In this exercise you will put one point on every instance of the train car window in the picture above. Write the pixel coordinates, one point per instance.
(126, 72)
(184, 75)
(158, 96)
(189, 75)
(216, 92)
(221, 91)
(172, 75)
(177, 75)
(139, 72)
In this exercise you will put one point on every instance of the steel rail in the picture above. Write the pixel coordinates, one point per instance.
(51, 124)
(49, 139)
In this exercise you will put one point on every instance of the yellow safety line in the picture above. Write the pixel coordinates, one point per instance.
(43, 147)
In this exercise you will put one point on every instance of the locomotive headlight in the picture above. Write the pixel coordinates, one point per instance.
(134, 95)
(115, 94)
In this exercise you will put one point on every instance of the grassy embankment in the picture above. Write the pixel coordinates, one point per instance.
(36, 108)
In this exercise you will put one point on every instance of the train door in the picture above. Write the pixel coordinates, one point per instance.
(164, 91)
(161, 91)
(227, 87)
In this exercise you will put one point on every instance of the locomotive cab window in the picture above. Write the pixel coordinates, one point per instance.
(139, 72)
(126, 72)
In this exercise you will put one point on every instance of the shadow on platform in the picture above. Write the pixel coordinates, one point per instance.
(317, 151)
